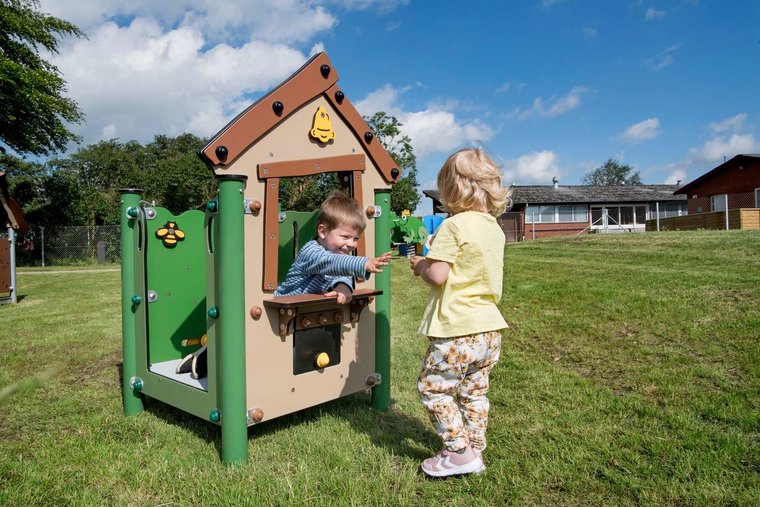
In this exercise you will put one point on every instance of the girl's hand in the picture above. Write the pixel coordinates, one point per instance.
(375, 263)
(415, 261)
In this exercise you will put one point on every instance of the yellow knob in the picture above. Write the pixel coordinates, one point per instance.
(322, 359)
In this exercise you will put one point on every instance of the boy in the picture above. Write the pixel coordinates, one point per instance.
(324, 265)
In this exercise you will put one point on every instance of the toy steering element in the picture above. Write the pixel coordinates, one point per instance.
(322, 359)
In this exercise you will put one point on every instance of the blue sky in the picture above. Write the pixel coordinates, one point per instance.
(549, 87)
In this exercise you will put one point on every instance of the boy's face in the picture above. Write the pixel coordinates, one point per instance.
(342, 240)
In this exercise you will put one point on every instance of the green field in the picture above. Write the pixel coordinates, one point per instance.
(630, 375)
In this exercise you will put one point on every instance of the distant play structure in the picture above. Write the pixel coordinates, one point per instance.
(202, 330)
(12, 220)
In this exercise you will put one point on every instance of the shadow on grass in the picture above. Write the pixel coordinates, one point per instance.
(393, 430)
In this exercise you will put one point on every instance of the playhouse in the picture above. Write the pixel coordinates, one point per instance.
(12, 219)
(202, 330)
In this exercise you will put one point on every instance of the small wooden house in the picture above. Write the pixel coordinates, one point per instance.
(202, 329)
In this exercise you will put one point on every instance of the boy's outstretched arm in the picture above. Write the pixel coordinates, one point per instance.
(375, 263)
(433, 272)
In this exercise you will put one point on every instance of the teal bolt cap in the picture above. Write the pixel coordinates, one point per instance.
(215, 415)
(136, 299)
(137, 384)
(211, 206)
(132, 212)
(213, 312)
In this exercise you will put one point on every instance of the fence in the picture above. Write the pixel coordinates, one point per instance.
(725, 211)
(69, 246)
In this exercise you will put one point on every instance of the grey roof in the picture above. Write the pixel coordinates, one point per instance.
(579, 194)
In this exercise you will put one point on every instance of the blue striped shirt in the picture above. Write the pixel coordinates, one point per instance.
(317, 270)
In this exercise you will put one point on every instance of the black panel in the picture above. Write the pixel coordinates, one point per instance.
(308, 343)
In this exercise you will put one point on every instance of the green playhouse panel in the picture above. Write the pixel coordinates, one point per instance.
(175, 273)
(296, 228)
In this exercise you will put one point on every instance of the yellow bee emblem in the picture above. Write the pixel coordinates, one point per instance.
(322, 128)
(170, 234)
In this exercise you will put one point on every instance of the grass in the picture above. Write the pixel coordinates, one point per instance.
(630, 375)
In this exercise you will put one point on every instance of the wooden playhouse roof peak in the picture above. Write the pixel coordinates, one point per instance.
(316, 77)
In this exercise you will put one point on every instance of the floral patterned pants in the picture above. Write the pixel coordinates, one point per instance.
(453, 385)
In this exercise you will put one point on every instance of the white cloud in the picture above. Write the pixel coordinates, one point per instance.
(434, 129)
(674, 177)
(726, 146)
(663, 59)
(136, 81)
(588, 32)
(653, 14)
(555, 106)
(534, 167)
(732, 124)
(642, 131)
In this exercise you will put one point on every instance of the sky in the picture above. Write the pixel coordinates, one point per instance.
(550, 88)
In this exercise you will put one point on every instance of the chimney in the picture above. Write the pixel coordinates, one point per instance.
(555, 180)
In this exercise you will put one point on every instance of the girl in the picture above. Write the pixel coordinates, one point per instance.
(464, 268)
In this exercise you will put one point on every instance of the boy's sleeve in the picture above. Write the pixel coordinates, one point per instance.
(445, 245)
(319, 261)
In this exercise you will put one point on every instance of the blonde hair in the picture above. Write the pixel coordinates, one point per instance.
(339, 209)
(470, 180)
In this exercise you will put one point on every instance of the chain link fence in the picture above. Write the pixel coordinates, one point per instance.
(69, 246)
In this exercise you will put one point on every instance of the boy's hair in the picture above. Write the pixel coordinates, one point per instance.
(339, 209)
(469, 179)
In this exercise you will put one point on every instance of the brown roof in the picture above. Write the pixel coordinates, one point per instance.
(583, 194)
(736, 161)
(316, 77)
(11, 214)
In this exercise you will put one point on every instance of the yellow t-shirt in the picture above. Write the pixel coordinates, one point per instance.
(473, 244)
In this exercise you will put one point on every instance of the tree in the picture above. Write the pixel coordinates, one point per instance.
(610, 173)
(34, 110)
(387, 130)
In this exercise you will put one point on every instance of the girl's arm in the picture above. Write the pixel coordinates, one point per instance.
(432, 272)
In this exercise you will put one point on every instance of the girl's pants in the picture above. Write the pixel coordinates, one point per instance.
(453, 385)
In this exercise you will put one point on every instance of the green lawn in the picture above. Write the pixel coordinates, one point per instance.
(630, 375)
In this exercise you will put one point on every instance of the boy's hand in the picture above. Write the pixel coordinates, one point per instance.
(374, 264)
(342, 292)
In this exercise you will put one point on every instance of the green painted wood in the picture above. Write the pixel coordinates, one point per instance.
(132, 400)
(298, 228)
(178, 276)
(381, 393)
(230, 325)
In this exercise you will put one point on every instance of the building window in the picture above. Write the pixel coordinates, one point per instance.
(555, 214)
(619, 215)
(718, 202)
(757, 198)
(668, 209)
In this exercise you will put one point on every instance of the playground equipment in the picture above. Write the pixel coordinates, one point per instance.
(409, 232)
(12, 218)
(198, 288)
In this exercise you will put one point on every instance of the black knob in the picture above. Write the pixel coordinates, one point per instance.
(325, 70)
(368, 137)
(339, 97)
(221, 153)
(277, 107)
(394, 173)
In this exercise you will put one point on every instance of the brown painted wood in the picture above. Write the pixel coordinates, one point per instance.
(306, 167)
(374, 148)
(250, 125)
(271, 233)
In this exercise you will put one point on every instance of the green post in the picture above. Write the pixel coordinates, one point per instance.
(130, 202)
(381, 393)
(231, 319)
